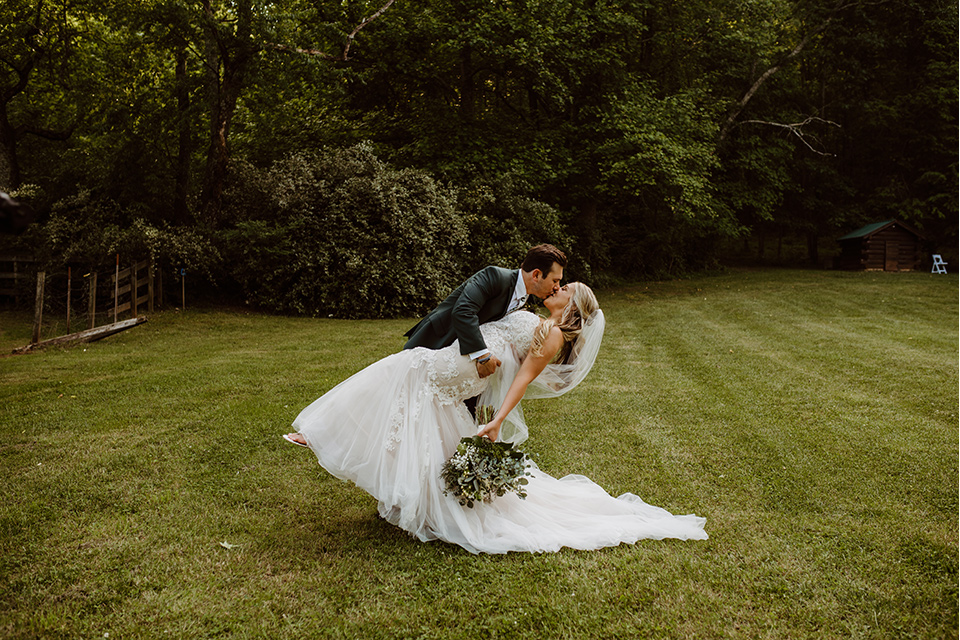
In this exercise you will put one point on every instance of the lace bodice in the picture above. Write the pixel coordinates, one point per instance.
(514, 330)
(452, 378)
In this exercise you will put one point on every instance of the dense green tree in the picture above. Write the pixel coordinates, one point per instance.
(558, 94)
(894, 91)
(37, 60)
(647, 130)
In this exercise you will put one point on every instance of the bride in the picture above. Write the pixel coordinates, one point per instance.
(390, 428)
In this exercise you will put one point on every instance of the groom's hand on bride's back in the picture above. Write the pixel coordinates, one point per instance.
(488, 367)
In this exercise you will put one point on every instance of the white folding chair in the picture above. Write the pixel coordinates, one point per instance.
(939, 266)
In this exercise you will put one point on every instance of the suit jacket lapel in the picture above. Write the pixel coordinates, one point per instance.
(510, 288)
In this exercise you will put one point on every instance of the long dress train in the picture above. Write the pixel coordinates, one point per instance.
(390, 427)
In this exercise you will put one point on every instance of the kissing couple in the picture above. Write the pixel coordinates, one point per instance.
(390, 427)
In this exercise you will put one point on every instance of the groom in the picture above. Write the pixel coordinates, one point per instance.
(488, 295)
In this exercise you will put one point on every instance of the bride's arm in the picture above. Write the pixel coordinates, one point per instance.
(530, 368)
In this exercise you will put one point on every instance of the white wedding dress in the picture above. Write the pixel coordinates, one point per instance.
(390, 428)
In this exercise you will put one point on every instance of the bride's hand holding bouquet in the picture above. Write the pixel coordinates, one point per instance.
(489, 424)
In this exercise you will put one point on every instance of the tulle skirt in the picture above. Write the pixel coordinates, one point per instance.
(390, 428)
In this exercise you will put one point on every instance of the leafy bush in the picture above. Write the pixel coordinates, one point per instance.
(89, 230)
(335, 232)
(339, 233)
(83, 229)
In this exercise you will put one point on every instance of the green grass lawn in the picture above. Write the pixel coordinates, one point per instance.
(811, 417)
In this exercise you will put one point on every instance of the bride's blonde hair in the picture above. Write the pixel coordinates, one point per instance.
(581, 306)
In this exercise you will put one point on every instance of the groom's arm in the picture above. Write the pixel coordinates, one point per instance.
(481, 288)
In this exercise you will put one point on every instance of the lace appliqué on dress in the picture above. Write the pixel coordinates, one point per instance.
(402, 410)
(451, 377)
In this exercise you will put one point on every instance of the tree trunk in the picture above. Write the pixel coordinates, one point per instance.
(9, 166)
(9, 136)
(231, 53)
(813, 252)
(217, 153)
(467, 93)
(588, 232)
(180, 210)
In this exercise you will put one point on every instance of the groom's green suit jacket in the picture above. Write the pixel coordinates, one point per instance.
(482, 298)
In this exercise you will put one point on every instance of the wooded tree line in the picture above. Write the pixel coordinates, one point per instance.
(277, 145)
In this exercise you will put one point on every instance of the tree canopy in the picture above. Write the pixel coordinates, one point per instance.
(639, 133)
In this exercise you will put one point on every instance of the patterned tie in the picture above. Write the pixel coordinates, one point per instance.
(516, 304)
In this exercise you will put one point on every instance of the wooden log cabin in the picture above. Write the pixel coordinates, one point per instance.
(882, 246)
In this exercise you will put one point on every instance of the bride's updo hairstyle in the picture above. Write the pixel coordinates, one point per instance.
(581, 307)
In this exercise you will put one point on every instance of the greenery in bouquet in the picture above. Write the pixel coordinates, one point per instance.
(481, 469)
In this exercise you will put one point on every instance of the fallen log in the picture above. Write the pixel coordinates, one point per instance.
(89, 335)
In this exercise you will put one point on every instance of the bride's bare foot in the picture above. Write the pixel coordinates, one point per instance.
(295, 438)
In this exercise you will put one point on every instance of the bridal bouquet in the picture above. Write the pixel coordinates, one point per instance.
(481, 470)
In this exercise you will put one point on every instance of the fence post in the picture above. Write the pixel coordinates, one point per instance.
(92, 307)
(116, 289)
(16, 281)
(134, 285)
(183, 289)
(38, 306)
(69, 292)
(150, 287)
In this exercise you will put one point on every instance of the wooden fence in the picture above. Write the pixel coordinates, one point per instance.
(135, 285)
(133, 290)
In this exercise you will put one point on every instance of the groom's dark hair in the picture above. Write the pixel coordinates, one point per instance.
(542, 257)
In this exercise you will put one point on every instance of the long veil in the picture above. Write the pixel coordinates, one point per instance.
(555, 380)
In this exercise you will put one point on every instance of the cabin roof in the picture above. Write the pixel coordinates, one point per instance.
(870, 229)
